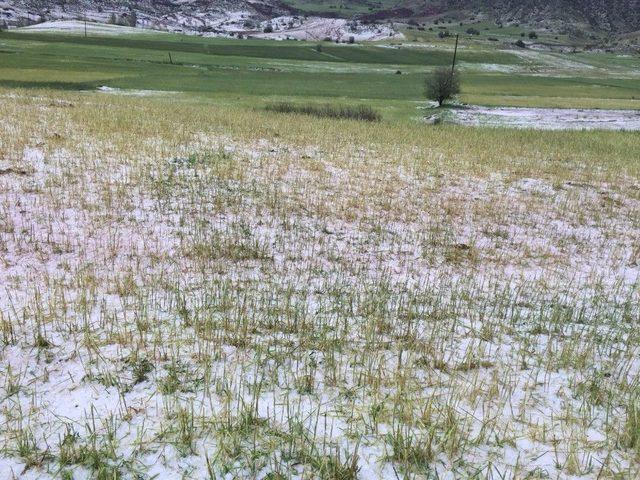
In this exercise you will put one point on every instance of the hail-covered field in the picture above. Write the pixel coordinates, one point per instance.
(193, 287)
(196, 291)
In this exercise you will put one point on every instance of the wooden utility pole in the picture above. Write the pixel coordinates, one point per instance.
(455, 54)
(85, 27)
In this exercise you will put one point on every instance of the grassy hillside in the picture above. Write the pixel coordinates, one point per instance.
(250, 71)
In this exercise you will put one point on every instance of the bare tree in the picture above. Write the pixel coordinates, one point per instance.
(442, 85)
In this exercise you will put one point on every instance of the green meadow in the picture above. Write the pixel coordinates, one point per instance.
(387, 76)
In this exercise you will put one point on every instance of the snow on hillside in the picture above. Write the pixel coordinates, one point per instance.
(318, 28)
(215, 19)
(76, 26)
(190, 17)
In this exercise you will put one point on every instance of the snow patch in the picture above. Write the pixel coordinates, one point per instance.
(74, 26)
(134, 92)
(547, 118)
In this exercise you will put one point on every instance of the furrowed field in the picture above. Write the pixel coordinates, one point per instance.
(192, 286)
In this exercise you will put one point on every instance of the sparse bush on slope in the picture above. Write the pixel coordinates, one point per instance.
(345, 112)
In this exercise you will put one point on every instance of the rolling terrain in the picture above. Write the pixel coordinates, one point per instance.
(390, 75)
(581, 18)
(202, 277)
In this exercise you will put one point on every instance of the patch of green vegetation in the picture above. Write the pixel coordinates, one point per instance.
(545, 86)
(264, 49)
(388, 78)
(341, 9)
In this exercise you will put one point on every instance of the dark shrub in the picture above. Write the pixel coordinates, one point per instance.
(345, 112)
(132, 20)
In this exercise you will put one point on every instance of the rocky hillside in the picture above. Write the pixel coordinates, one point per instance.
(176, 15)
(605, 15)
(618, 16)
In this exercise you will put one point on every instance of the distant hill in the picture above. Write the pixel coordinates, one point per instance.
(605, 15)
(616, 16)
(188, 15)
